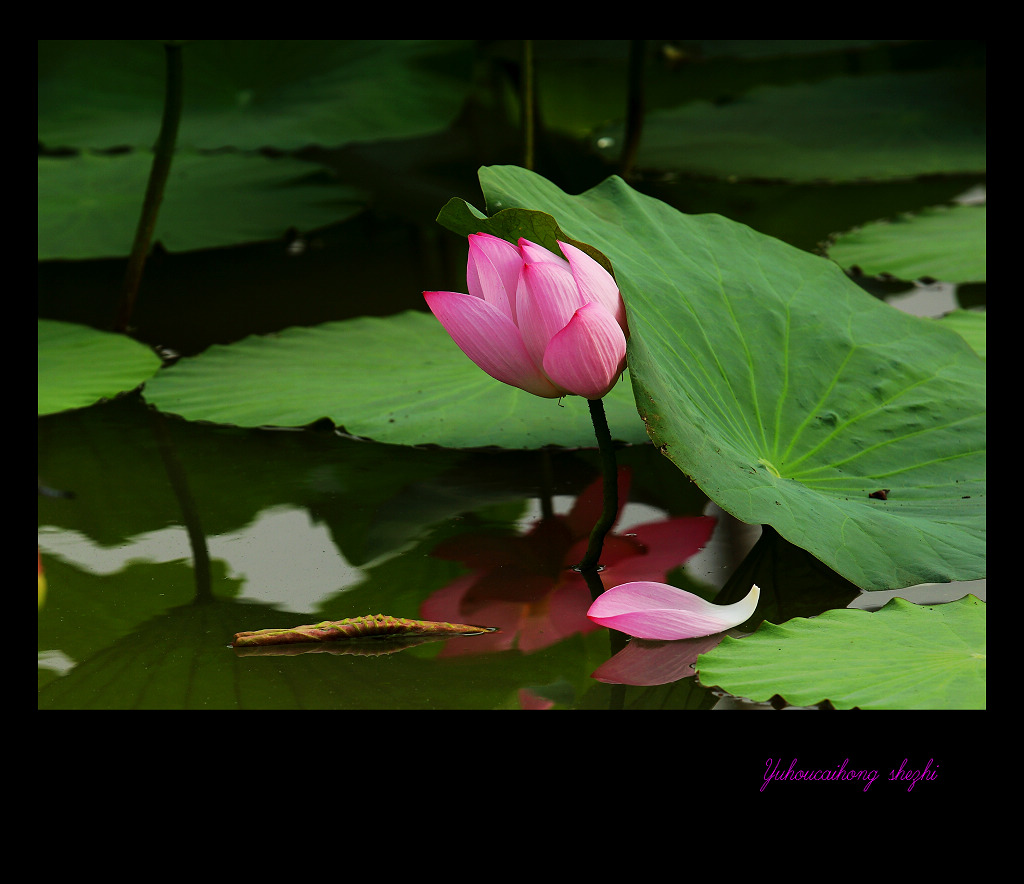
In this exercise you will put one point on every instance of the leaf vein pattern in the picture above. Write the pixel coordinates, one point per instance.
(693, 362)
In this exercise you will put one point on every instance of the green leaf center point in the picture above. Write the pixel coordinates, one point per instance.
(768, 465)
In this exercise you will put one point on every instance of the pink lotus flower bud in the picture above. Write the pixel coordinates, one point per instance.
(548, 325)
(658, 611)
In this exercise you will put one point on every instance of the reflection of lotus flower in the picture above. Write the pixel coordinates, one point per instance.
(644, 662)
(658, 611)
(533, 320)
(526, 585)
(532, 700)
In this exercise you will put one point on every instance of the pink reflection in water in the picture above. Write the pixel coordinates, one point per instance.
(644, 662)
(526, 586)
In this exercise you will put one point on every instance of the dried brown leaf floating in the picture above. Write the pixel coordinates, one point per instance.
(379, 626)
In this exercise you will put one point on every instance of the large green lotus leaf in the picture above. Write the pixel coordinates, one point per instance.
(904, 656)
(786, 392)
(249, 94)
(398, 379)
(972, 325)
(89, 205)
(945, 243)
(78, 365)
(585, 82)
(843, 129)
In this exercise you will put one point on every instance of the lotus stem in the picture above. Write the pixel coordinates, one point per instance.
(634, 106)
(528, 106)
(161, 168)
(610, 506)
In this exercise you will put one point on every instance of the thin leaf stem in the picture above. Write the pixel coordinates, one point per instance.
(528, 105)
(634, 106)
(162, 156)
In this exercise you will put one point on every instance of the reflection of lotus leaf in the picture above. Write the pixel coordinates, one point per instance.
(180, 660)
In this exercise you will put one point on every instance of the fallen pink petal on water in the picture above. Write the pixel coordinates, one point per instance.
(645, 609)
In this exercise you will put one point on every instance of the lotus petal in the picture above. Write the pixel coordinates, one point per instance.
(546, 300)
(588, 355)
(491, 340)
(595, 283)
(658, 611)
(536, 254)
(492, 271)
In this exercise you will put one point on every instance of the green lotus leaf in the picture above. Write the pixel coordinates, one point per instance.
(250, 94)
(788, 394)
(79, 366)
(585, 82)
(945, 243)
(971, 325)
(89, 204)
(881, 126)
(903, 656)
(398, 379)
